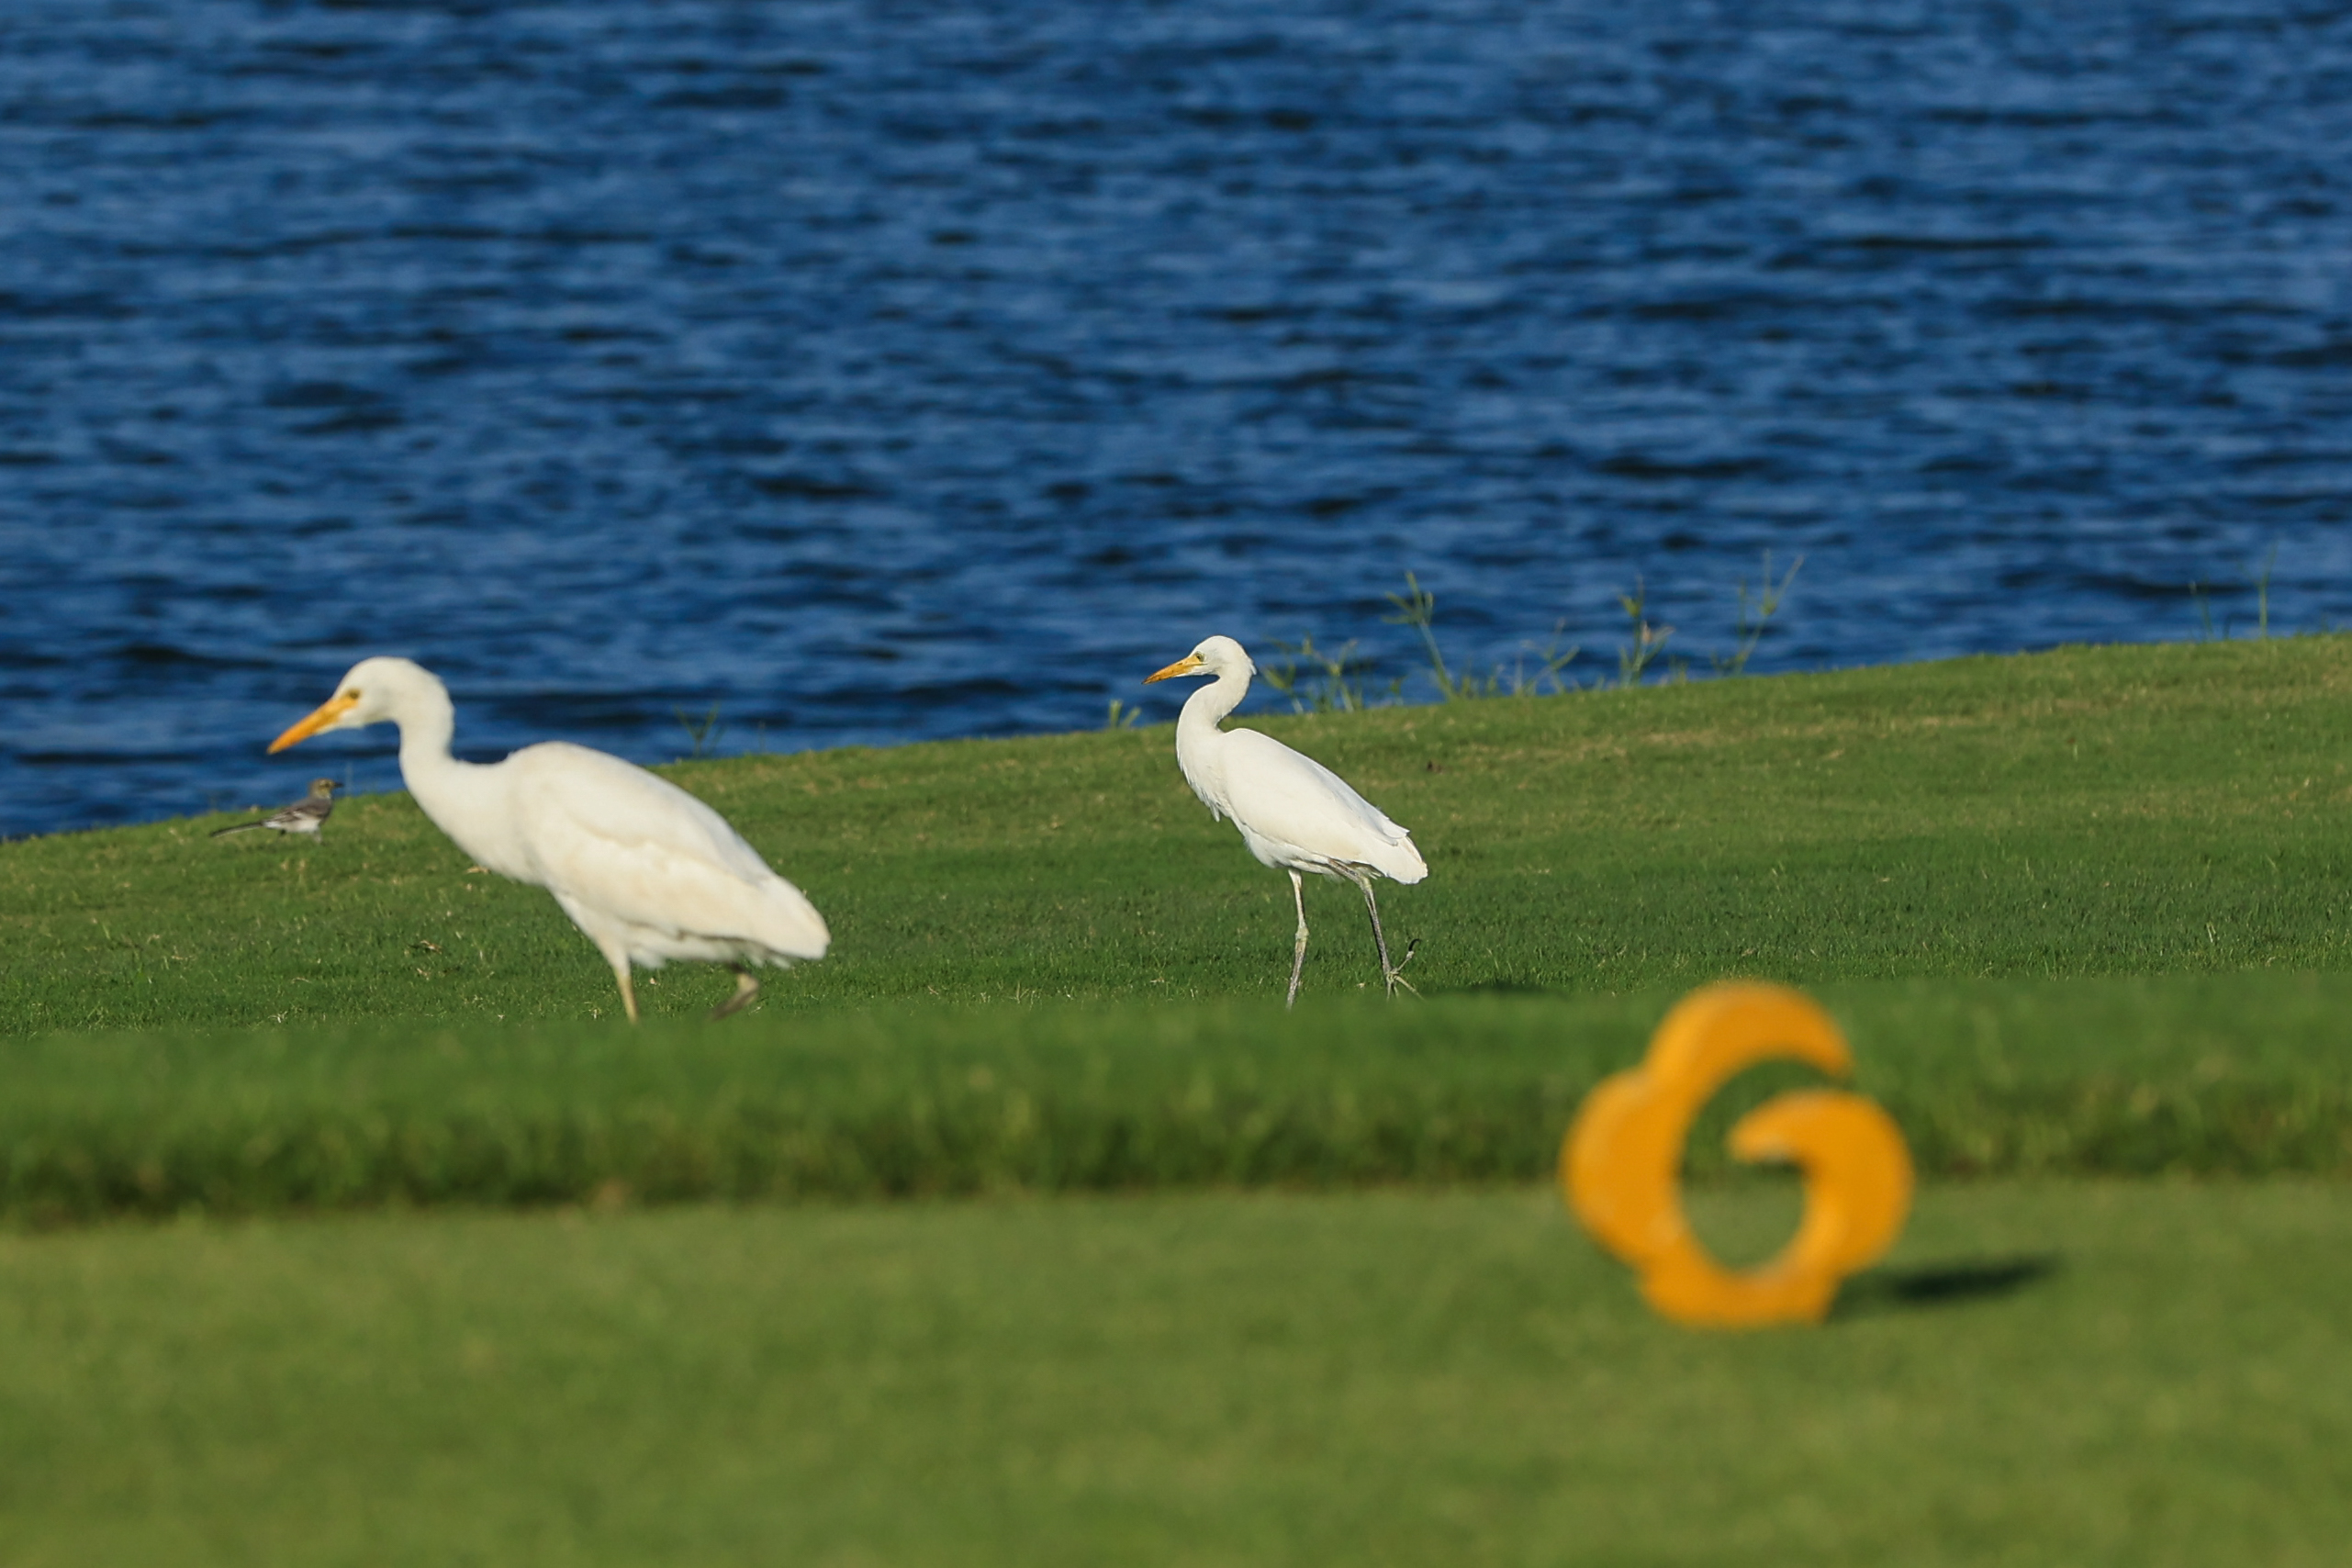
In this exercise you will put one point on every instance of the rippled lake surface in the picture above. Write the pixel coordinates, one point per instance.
(885, 371)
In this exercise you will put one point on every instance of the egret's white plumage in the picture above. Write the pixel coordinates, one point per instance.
(646, 870)
(1295, 814)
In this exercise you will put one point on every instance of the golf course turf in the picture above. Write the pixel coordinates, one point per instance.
(1179, 1277)
(2155, 809)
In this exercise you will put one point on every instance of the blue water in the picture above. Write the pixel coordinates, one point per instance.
(881, 371)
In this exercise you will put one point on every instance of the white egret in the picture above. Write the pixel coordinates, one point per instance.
(646, 870)
(307, 814)
(1295, 814)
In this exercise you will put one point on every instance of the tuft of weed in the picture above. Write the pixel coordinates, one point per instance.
(1313, 680)
(1756, 615)
(1636, 656)
(1416, 608)
(702, 734)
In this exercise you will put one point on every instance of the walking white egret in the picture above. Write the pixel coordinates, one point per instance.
(646, 870)
(1295, 814)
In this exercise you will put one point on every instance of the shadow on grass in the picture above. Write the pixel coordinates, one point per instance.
(1942, 1285)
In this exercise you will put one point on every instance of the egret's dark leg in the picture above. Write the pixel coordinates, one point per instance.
(1390, 974)
(1298, 954)
(746, 987)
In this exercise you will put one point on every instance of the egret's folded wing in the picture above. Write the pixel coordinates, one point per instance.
(1292, 799)
(622, 803)
(615, 838)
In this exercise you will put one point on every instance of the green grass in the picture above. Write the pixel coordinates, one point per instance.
(1400, 1378)
(2091, 812)
(1289, 1294)
(2083, 913)
(2236, 1074)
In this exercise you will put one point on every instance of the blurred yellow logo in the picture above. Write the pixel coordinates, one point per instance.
(1620, 1164)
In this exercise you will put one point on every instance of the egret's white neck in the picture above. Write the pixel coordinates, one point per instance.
(428, 721)
(1199, 742)
(458, 796)
(1211, 702)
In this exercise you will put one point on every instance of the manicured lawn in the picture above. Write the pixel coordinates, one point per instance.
(339, 1222)
(2241, 1074)
(2115, 810)
(2063, 1373)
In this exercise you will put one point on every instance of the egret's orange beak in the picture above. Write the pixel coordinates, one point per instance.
(326, 713)
(1184, 666)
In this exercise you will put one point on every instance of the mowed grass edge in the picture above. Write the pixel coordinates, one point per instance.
(2205, 1075)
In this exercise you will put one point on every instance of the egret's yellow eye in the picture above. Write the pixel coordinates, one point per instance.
(351, 694)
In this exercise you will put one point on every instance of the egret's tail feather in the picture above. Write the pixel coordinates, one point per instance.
(1400, 862)
(787, 924)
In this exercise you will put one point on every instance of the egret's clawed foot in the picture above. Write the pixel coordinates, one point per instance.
(1395, 977)
(747, 988)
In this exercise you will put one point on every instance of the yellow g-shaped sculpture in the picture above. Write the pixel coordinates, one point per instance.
(1620, 1167)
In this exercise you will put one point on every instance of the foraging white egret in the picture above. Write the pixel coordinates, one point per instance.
(307, 814)
(1294, 813)
(646, 870)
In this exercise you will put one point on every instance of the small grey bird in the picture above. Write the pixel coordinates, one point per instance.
(307, 814)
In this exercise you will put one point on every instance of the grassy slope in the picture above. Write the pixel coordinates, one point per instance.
(2138, 809)
(2120, 811)
(1424, 1378)
(2238, 1074)
(1944, 851)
